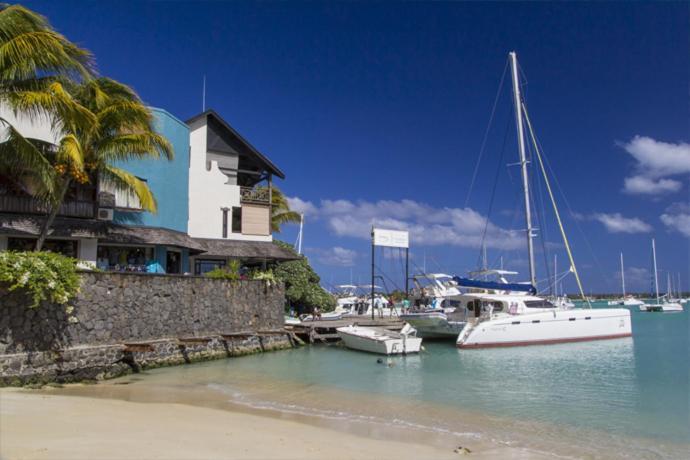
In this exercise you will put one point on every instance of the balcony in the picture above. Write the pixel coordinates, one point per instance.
(29, 205)
(255, 195)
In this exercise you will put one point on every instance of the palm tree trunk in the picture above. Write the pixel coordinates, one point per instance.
(55, 207)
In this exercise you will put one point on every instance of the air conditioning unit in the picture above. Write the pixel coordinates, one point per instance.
(105, 214)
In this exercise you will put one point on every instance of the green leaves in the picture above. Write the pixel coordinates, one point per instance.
(302, 288)
(43, 275)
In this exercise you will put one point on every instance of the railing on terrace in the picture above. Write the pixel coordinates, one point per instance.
(29, 205)
(255, 195)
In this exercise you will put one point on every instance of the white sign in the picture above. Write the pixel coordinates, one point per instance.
(391, 238)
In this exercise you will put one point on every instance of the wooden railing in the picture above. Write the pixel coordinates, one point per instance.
(29, 205)
(255, 195)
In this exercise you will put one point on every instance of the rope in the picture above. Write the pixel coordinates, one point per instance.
(555, 208)
(486, 134)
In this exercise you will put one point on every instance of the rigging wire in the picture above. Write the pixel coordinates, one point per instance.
(493, 192)
(555, 209)
(571, 212)
(486, 134)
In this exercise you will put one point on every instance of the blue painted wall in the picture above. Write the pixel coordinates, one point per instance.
(169, 180)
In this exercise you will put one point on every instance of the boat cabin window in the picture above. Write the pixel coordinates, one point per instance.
(497, 306)
(539, 304)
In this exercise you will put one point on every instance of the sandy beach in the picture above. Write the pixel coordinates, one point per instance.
(41, 425)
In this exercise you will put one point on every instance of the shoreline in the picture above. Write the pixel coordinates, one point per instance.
(85, 427)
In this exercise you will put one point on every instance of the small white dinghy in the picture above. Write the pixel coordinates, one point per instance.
(379, 340)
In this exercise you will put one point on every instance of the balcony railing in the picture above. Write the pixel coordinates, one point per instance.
(29, 205)
(255, 195)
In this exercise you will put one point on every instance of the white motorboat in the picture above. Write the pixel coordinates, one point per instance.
(437, 324)
(379, 340)
(519, 317)
(661, 305)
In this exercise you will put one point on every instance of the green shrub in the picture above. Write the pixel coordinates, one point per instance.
(43, 275)
(229, 272)
(302, 288)
(263, 275)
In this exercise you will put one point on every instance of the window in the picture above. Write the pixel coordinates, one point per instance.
(65, 247)
(236, 220)
(125, 199)
(225, 222)
(539, 304)
(126, 259)
(202, 266)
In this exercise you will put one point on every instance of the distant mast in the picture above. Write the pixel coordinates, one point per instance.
(656, 278)
(523, 163)
(623, 275)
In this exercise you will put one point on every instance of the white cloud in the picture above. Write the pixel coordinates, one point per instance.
(335, 256)
(616, 223)
(677, 218)
(427, 225)
(656, 160)
(646, 186)
(303, 207)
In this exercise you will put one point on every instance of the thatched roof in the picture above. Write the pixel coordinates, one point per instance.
(246, 250)
(105, 231)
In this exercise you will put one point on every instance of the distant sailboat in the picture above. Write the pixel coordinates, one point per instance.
(627, 300)
(660, 306)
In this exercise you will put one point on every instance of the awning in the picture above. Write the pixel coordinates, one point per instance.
(105, 231)
(245, 250)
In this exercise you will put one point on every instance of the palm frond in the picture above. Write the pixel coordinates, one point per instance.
(19, 156)
(120, 179)
(30, 47)
(284, 217)
(134, 146)
(70, 152)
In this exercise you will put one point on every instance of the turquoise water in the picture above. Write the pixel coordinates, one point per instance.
(630, 396)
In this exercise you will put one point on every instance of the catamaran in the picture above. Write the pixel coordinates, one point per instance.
(660, 306)
(519, 317)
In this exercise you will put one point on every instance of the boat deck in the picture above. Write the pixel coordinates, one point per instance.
(325, 331)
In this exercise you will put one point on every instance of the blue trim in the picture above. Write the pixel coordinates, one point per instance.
(517, 287)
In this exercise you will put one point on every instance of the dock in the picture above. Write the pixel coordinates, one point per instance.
(324, 331)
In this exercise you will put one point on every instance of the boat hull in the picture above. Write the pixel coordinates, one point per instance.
(664, 307)
(434, 325)
(545, 328)
(382, 346)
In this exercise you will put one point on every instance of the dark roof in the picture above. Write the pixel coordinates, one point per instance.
(105, 231)
(245, 249)
(266, 162)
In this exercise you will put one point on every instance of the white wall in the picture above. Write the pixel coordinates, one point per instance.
(39, 128)
(88, 250)
(209, 192)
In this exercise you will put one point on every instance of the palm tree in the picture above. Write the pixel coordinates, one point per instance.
(122, 130)
(280, 210)
(35, 64)
(98, 121)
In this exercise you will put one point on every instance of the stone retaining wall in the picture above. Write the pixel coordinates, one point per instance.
(115, 309)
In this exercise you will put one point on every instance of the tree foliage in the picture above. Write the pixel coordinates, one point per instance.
(280, 210)
(43, 275)
(302, 288)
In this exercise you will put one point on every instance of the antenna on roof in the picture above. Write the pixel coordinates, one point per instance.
(203, 96)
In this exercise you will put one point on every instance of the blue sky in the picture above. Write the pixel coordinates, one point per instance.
(378, 111)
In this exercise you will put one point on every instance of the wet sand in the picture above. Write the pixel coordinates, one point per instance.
(42, 424)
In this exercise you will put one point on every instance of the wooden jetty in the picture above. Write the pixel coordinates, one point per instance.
(325, 330)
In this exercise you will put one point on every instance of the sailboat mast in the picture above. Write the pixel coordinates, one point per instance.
(301, 228)
(555, 274)
(656, 277)
(523, 163)
(623, 275)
